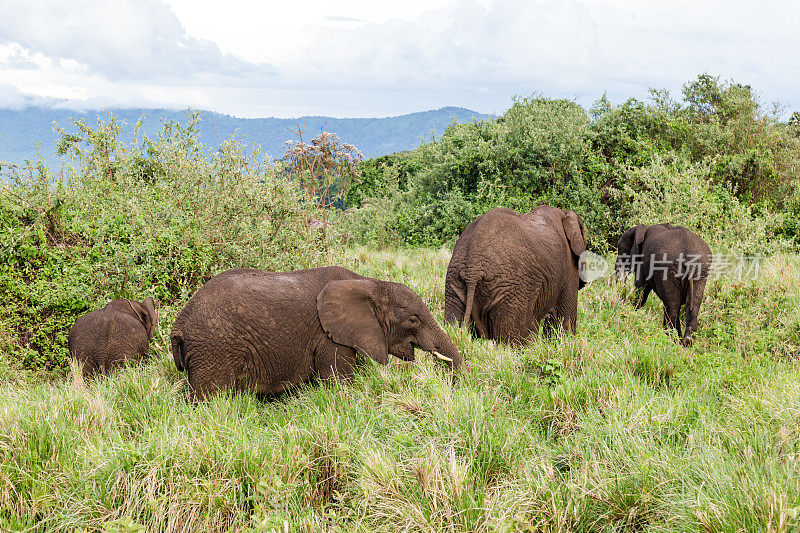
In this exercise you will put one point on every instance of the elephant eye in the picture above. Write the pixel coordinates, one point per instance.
(413, 321)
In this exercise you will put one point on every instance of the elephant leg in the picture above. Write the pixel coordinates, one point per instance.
(691, 327)
(334, 361)
(104, 365)
(549, 323)
(89, 368)
(198, 388)
(641, 296)
(488, 319)
(507, 326)
(198, 394)
(693, 301)
(671, 293)
(207, 376)
(484, 331)
(672, 316)
(454, 301)
(566, 310)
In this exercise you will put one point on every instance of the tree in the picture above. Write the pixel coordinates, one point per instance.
(325, 168)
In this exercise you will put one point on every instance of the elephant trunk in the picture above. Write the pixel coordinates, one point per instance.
(442, 348)
(620, 272)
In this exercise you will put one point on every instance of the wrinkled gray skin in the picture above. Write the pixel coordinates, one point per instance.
(512, 272)
(267, 331)
(109, 337)
(664, 250)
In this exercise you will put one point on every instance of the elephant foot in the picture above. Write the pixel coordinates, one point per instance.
(686, 342)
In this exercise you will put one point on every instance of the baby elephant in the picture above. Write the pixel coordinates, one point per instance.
(109, 337)
(248, 330)
(675, 263)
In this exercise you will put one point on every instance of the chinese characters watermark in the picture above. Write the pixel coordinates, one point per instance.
(592, 267)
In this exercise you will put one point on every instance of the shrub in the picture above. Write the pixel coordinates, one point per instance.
(755, 157)
(157, 218)
(552, 151)
(674, 190)
(534, 154)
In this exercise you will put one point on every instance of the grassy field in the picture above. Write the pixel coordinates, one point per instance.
(615, 429)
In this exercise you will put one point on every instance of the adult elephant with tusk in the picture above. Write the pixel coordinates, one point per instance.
(267, 331)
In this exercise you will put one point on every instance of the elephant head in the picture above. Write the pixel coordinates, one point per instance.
(379, 318)
(576, 236)
(145, 311)
(573, 228)
(629, 248)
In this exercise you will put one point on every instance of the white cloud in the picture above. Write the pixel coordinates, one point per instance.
(268, 31)
(11, 97)
(366, 58)
(561, 48)
(120, 39)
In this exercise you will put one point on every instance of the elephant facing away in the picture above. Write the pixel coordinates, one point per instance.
(267, 331)
(675, 263)
(511, 272)
(109, 337)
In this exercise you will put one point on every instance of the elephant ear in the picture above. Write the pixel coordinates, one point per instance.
(145, 311)
(348, 313)
(575, 232)
(638, 239)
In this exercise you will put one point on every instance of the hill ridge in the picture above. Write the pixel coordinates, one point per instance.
(23, 130)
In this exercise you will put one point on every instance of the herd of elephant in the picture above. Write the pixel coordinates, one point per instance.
(510, 273)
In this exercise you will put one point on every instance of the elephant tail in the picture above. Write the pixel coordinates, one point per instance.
(470, 297)
(177, 349)
(688, 298)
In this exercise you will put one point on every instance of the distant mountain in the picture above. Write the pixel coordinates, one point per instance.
(21, 131)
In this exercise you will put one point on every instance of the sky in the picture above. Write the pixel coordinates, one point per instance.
(368, 58)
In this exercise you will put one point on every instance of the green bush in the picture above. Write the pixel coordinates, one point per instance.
(672, 189)
(372, 182)
(752, 154)
(157, 218)
(789, 227)
(535, 153)
(716, 147)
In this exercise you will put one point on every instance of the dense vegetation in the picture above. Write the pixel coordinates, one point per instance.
(715, 161)
(158, 217)
(617, 428)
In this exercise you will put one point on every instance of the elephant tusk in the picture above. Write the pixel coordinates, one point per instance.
(442, 357)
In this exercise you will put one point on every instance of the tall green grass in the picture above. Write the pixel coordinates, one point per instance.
(617, 428)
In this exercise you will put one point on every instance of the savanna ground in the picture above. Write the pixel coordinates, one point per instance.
(616, 428)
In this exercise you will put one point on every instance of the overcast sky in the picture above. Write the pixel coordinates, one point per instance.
(359, 58)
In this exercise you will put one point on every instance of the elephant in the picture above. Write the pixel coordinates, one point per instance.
(265, 332)
(675, 263)
(511, 272)
(109, 337)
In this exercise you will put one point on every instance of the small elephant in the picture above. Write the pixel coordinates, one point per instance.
(675, 263)
(267, 331)
(109, 337)
(511, 272)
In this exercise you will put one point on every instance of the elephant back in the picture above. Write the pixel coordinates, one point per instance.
(246, 328)
(676, 243)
